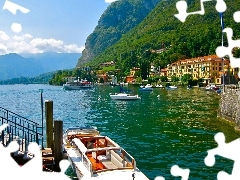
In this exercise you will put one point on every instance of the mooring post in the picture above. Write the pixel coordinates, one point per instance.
(49, 123)
(58, 142)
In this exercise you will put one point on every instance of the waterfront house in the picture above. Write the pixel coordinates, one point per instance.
(103, 76)
(163, 72)
(131, 77)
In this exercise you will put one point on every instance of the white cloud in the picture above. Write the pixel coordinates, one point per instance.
(22, 37)
(27, 44)
(4, 36)
(110, 1)
(3, 49)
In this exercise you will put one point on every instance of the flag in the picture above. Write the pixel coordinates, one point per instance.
(221, 17)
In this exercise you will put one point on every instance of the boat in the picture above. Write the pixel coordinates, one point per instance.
(76, 85)
(159, 86)
(148, 87)
(123, 95)
(211, 87)
(171, 87)
(93, 156)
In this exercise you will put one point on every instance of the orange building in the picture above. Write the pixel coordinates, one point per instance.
(103, 76)
(130, 78)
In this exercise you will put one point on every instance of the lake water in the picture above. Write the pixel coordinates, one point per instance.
(176, 128)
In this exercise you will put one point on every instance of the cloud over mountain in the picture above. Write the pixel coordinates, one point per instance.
(26, 43)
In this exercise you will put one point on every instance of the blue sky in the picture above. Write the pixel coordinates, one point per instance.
(50, 25)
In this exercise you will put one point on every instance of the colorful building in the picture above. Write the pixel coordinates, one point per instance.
(209, 68)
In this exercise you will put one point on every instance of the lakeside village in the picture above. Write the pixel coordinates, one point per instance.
(200, 72)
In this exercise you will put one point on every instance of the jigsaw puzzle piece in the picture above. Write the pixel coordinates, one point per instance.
(182, 10)
(64, 164)
(177, 171)
(223, 51)
(159, 178)
(236, 16)
(227, 150)
(223, 176)
(5, 156)
(36, 161)
(221, 6)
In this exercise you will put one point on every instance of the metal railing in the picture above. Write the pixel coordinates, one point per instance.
(20, 128)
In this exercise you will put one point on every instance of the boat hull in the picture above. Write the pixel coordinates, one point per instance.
(77, 85)
(125, 97)
(146, 89)
(66, 87)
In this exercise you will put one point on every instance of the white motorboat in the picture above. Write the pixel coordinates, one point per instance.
(148, 87)
(124, 96)
(171, 87)
(77, 85)
(96, 157)
(211, 87)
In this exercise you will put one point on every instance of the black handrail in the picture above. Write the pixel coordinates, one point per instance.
(26, 130)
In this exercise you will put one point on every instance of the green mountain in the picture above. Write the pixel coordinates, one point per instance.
(199, 35)
(120, 17)
(30, 65)
(41, 79)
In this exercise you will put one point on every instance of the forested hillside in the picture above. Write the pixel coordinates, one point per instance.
(198, 36)
(118, 19)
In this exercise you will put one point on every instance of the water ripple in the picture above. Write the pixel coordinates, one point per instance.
(177, 128)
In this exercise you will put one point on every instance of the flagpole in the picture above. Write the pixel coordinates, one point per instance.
(222, 24)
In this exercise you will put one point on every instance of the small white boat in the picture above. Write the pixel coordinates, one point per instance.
(159, 86)
(211, 87)
(77, 85)
(171, 87)
(96, 157)
(148, 87)
(124, 96)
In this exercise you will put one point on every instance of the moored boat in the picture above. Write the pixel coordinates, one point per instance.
(124, 96)
(76, 85)
(211, 87)
(159, 86)
(93, 156)
(148, 87)
(171, 87)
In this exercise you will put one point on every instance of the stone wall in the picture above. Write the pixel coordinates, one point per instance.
(229, 106)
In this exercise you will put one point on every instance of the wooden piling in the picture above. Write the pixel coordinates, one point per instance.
(58, 142)
(49, 123)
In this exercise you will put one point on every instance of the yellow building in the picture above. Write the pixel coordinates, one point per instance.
(208, 68)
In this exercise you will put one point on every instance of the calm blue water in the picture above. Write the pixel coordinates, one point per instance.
(177, 128)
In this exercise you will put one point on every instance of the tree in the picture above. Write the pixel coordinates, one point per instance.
(163, 78)
(174, 79)
(186, 77)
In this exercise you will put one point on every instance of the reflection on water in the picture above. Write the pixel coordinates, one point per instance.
(162, 129)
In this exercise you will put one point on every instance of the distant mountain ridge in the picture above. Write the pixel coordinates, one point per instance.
(119, 18)
(30, 65)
